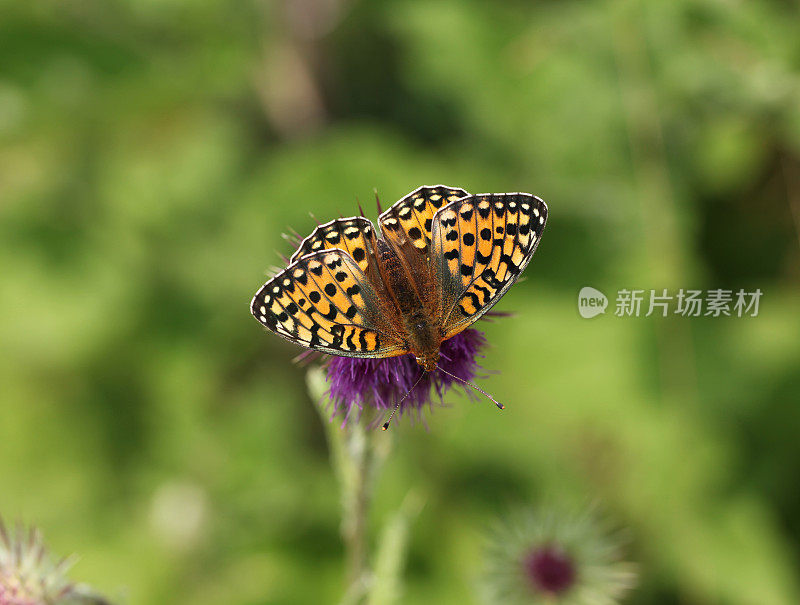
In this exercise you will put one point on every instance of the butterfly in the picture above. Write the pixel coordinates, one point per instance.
(441, 260)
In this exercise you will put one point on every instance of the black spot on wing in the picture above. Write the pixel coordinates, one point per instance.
(331, 313)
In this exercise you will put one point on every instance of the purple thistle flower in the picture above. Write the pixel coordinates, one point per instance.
(555, 556)
(357, 383)
(550, 569)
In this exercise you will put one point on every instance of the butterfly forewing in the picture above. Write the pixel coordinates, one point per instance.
(324, 301)
(353, 235)
(479, 246)
(409, 221)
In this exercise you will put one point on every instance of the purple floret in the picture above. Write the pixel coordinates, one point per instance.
(550, 569)
(380, 383)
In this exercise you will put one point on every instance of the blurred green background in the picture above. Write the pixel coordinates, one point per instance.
(152, 152)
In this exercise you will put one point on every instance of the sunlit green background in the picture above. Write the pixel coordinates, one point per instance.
(154, 151)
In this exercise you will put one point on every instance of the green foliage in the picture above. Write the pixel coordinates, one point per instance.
(151, 154)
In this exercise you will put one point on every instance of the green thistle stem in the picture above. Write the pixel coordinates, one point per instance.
(390, 555)
(357, 456)
(356, 496)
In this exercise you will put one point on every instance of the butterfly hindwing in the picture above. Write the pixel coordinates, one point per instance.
(480, 244)
(353, 235)
(323, 301)
(408, 222)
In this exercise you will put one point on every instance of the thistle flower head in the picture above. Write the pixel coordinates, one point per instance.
(556, 558)
(356, 384)
(29, 576)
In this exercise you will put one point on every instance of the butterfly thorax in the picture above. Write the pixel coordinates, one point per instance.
(413, 319)
(424, 340)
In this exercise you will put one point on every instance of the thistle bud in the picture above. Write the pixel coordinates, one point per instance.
(29, 576)
(555, 557)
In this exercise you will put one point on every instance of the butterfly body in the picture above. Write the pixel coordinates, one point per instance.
(442, 260)
(406, 307)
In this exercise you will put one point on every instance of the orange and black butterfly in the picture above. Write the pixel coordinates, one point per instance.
(442, 259)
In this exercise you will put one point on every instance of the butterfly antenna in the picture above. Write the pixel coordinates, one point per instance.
(474, 386)
(397, 405)
(378, 201)
(360, 209)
